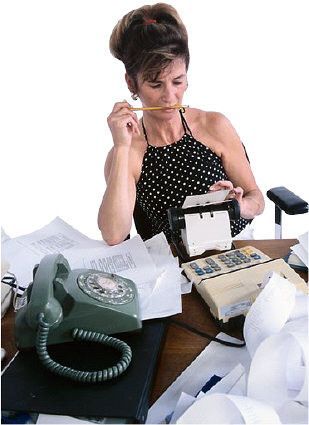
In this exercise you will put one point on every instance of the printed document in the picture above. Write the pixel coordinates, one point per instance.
(151, 266)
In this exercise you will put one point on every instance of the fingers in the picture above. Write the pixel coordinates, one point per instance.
(125, 120)
(238, 193)
(122, 108)
(120, 105)
(122, 117)
(235, 192)
(222, 184)
(131, 124)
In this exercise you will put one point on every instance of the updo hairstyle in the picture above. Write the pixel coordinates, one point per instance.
(148, 39)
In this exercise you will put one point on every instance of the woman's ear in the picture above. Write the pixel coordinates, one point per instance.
(130, 83)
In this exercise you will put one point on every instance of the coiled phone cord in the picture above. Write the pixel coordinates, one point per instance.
(82, 335)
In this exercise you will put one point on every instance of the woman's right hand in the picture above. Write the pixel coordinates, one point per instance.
(123, 123)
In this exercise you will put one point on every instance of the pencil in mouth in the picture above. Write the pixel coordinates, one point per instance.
(159, 108)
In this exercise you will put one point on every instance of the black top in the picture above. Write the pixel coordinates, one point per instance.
(172, 172)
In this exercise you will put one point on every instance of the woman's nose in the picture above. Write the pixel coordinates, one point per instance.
(168, 94)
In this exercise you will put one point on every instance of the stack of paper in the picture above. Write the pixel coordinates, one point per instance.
(264, 382)
(299, 254)
(150, 265)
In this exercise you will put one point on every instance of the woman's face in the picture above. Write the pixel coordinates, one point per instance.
(167, 90)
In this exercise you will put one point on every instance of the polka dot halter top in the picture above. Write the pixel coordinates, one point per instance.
(172, 172)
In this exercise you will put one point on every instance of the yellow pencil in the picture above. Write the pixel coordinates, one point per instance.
(159, 108)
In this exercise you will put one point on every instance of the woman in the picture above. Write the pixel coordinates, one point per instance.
(159, 160)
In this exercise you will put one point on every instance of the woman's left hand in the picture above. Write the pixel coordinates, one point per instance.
(235, 192)
(250, 204)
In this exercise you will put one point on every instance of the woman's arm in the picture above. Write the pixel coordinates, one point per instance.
(116, 210)
(241, 182)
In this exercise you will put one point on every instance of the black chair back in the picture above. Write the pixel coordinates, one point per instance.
(142, 223)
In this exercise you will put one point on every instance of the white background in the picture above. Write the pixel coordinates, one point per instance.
(59, 83)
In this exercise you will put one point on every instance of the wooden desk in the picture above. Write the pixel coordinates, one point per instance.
(181, 346)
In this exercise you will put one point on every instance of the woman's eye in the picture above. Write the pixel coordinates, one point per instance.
(158, 85)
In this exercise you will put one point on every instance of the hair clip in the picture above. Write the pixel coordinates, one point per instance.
(149, 21)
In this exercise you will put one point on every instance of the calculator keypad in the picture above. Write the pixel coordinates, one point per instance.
(215, 265)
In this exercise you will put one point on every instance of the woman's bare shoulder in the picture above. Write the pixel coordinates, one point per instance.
(216, 125)
(210, 120)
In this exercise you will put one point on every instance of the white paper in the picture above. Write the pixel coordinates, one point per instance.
(151, 266)
(240, 387)
(160, 252)
(229, 381)
(301, 306)
(301, 253)
(304, 240)
(186, 286)
(269, 312)
(184, 402)
(165, 299)
(4, 236)
(215, 359)
(301, 249)
(129, 259)
(60, 419)
(194, 200)
(24, 252)
(299, 325)
(57, 236)
(268, 380)
(293, 412)
(277, 335)
(229, 409)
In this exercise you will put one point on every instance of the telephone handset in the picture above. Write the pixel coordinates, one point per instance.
(59, 299)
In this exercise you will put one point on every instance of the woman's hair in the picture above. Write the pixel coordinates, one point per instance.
(147, 39)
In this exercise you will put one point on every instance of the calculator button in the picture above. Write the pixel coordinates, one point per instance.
(194, 266)
(227, 261)
(208, 270)
(210, 261)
